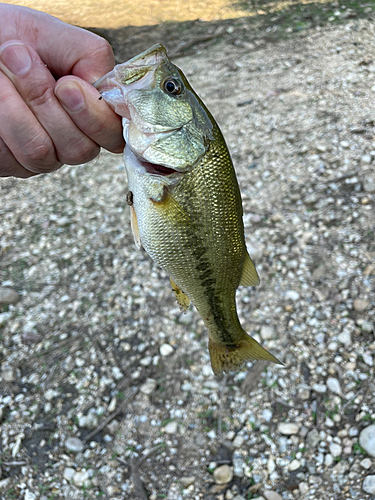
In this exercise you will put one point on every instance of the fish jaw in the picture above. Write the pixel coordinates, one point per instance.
(137, 73)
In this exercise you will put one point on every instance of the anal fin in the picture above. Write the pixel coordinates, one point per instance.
(134, 226)
(249, 273)
(181, 297)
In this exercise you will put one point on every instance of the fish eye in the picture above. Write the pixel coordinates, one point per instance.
(172, 86)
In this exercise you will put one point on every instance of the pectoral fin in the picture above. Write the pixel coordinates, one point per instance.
(134, 226)
(249, 273)
(181, 297)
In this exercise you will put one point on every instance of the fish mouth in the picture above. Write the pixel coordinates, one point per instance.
(153, 169)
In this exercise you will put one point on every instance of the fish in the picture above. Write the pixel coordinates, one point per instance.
(185, 203)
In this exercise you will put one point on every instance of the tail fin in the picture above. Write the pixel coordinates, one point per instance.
(225, 358)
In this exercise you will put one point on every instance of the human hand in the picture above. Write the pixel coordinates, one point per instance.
(44, 124)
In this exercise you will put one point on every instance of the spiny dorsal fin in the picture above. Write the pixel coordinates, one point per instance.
(249, 273)
(181, 297)
(134, 226)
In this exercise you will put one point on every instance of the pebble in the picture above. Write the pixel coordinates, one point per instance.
(166, 349)
(238, 465)
(369, 485)
(171, 427)
(303, 488)
(291, 295)
(367, 439)
(320, 388)
(149, 386)
(113, 427)
(223, 474)
(8, 296)
(255, 251)
(366, 326)
(369, 186)
(7, 374)
(333, 385)
(287, 429)
(344, 337)
(366, 463)
(29, 495)
(294, 465)
(81, 478)
(271, 495)
(68, 473)
(267, 332)
(313, 438)
(335, 449)
(267, 415)
(4, 318)
(360, 305)
(74, 444)
(238, 441)
(186, 481)
(239, 497)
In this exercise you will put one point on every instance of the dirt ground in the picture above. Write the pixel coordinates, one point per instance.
(106, 390)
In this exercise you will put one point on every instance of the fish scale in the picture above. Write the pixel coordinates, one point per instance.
(186, 203)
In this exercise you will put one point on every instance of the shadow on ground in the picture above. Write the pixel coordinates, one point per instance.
(268, 24)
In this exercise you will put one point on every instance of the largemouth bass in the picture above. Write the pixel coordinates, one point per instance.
(185, 203)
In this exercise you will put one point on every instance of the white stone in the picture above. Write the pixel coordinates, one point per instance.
(367, 440)
(238, 441)
(344, 337)
(366, 463)
(4, 318)
(335, 449)
(74, 444)
(116, 372)
(255, 251)
(81, 478)
(271, 495)
(369, 485)
(334, 385)
(321, 388)
(294, 465)
(171, 427)
(166, 350)
(303, 488)
(68, 473)
(8, 296)
(267, 332)
(291, 295)
(267, 415)
(149, 386)
(29, 495)
(271, 465)
(223, 474)
(287, 429)
(328, 460)
(187, 481)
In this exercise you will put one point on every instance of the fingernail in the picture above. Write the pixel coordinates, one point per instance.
(16, 58)
(70, 95)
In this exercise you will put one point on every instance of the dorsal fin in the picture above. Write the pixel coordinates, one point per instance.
(249, 273)
(181, 297)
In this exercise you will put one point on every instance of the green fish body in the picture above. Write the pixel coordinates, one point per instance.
(185, 201)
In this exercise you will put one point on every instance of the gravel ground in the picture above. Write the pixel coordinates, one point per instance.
(106, 388)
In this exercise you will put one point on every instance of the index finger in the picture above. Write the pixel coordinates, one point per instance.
(65, 49)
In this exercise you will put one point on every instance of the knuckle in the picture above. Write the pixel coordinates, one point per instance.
(104, 47)
(82, 152)
(38, 153)
(40, 95)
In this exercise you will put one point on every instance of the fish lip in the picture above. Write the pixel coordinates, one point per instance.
(135, 68)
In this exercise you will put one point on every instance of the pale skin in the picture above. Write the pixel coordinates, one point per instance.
(50, 114)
